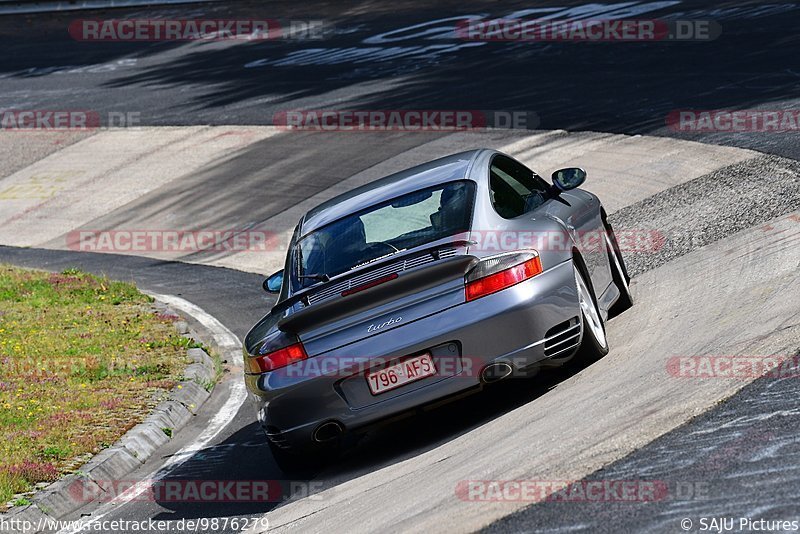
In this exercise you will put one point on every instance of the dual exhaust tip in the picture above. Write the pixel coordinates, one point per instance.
(494, 372)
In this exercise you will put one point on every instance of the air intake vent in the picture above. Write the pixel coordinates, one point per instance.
(562, 338)
(392, 268)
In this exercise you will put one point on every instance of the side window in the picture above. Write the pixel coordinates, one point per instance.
(514, 188)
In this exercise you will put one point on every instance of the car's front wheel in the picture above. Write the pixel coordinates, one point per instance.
(594, 344)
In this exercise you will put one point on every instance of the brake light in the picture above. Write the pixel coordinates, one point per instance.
(376, 282)
(495, 274)
(277, 359)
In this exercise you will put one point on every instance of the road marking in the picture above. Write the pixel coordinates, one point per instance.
(231, 347)
(223, 338)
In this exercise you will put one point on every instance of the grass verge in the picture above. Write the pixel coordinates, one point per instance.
(82, 360)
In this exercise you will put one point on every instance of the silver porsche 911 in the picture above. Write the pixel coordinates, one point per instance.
(424, 285)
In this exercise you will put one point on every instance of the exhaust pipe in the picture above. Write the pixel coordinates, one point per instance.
(494, 372)
(328, 431)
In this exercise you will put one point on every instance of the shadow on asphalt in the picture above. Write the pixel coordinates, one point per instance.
(425, 430)
(242, 457)
(249, 186)
(612, 87)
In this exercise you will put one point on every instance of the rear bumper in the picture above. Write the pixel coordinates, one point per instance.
(521, 325)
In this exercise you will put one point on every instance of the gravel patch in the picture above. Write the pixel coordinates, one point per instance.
(710, 208)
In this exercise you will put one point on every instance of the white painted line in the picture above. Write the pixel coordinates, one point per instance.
(229, 343)
(223, 338)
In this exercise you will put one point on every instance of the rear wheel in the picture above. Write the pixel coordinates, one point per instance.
(619, 275)
(594, 344)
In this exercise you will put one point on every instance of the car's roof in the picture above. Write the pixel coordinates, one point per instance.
(438, 171)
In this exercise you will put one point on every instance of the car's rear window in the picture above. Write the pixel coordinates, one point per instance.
(400, 224)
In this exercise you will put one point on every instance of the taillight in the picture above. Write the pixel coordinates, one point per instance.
(499, 272)
(276, 359)
(368, 285)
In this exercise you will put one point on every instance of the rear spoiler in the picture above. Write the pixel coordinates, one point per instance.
(405, 283)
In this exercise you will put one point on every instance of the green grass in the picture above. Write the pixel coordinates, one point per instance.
(22, 501)
(82, 360)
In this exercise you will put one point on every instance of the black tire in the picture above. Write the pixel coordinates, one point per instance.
(619, 273)
(594, 344)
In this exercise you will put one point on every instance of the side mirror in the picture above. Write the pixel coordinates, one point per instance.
(273, 283)
(569, 178)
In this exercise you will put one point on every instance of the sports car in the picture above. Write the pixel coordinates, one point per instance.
(423, 286)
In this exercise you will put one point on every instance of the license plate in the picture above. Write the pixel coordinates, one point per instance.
(399, 374)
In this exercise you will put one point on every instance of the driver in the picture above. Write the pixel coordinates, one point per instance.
(450, 214)
(346, 246)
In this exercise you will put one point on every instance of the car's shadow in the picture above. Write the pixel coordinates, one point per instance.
(244, 456)
(428, 429)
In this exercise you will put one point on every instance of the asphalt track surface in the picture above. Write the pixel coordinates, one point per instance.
(623, 87)
(615, 87)
(240, 453)
(739, 460)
